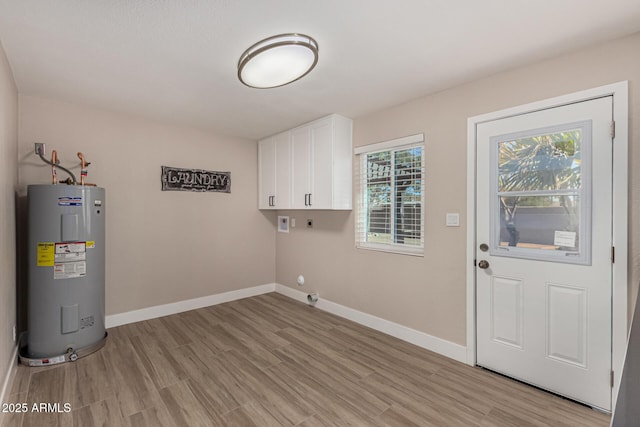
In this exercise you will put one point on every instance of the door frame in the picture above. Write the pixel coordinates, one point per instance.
(619, 332)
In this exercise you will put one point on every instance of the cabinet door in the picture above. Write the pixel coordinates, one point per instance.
(321, 192)
(312, 167)
(274, 180)
(282, 199)
(266, 173)
(300, 167)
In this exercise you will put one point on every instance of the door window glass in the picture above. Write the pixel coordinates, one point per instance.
(541, 191)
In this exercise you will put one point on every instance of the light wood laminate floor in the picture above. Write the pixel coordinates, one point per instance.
(271, 361)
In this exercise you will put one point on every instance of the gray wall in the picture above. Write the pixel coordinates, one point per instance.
(8, 186)
(627, 410)
(429, 293)
(161, 246)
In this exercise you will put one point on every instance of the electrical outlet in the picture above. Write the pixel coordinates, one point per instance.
(40, 148)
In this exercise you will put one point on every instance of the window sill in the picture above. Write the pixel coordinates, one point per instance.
(393, 249)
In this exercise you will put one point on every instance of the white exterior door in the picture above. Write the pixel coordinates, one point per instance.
(543, 236)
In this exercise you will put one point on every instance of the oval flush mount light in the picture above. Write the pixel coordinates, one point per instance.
(278, 60)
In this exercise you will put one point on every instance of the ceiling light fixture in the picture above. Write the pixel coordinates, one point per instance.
(278, 60)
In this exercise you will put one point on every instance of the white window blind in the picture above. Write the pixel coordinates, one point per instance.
(390, 180)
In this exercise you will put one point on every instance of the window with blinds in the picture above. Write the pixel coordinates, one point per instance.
(391, 196)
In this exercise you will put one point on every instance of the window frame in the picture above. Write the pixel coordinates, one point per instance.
(361, 223)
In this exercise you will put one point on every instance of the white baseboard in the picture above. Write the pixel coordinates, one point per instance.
(421, 339)
(11, 373)
(147, 313)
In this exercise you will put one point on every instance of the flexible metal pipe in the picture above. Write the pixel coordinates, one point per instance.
(73, 177)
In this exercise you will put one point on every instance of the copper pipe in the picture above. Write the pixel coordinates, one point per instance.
(83, 171)
(57, 163)
(54, 162)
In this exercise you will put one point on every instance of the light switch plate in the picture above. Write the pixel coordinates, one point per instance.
(453, 219)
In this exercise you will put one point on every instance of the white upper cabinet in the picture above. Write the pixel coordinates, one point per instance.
(274, 173)
(320, 167)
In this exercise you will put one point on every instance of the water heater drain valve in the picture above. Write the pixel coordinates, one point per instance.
(73, 356)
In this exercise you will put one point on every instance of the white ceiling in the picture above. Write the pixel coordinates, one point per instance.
(175, 60)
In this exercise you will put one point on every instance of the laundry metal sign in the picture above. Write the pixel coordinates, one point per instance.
(178, 179)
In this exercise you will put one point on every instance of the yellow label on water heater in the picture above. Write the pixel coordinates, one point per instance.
(46, 254)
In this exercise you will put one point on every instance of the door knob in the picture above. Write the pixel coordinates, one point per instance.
(483, 264)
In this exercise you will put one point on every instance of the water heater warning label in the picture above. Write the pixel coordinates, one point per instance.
(66, 252)
(69, 270)
(70, 260)
(46, 254)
